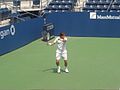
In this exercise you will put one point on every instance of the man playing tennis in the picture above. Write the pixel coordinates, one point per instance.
(61, 50)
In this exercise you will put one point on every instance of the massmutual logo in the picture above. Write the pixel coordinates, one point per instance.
(7, 32)
(94, 15)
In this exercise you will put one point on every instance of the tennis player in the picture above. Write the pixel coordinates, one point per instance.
(61, 51)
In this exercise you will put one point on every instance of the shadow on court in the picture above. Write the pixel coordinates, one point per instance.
(53, 70)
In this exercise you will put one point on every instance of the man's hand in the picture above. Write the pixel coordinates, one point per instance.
(64, 40)
(50, 44)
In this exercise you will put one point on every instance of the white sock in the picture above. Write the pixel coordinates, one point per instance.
(58, 67)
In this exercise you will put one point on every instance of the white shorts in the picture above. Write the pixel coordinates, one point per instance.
(60, 55)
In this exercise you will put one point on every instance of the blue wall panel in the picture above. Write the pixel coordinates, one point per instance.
(80, 24)
(25, 33)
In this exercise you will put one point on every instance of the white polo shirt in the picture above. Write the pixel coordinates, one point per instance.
(61, 45)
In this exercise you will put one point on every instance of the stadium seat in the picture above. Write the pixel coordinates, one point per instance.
(4, 13)
(61, 3)
(58, 10)
(115, 7)
(97, 10)
(36, 3)
(113, 10)
(102, 0)
(108, 0)
(90, 10)
(118, 10)
(106, 6)
(116, 2)
(101, 5)
(16, 3)
(103, 10)
(60, 6)
(65, 11)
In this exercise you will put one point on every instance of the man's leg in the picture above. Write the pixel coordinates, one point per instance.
(57, 63)
(58, 56)
(65, 61)
(58, 66)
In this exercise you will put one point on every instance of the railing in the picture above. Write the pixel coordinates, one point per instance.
(79, 5)
(44, 3)
(112, 1)
(27, 5)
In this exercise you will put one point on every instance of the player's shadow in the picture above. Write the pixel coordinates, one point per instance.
(53, 70)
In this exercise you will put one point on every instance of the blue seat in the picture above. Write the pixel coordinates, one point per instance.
(16, 3)
(103, 10)
(90, 3)
(118, 10)
(68, 6)
(102, 0)
(97, 3)
(36, 2)
(108, 0)
(90, 0)
(64, 7)
(90, 10)
(59, 5)
(115, 7)
(52, 7)
(48, 11)
(106, 6)
(97, 10)
(65, 11)
(116, 2)
(48, 7)
(55, 7)
(100, 5)
(4, 13)
(113, 10)
(55, 2)
(87, 7)
(58, 11)
(103, 3)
